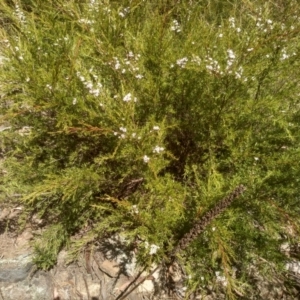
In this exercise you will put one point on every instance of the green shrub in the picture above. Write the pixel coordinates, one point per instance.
(139, 116)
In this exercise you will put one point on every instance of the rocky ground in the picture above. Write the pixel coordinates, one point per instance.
(102, 272)
(92, 277)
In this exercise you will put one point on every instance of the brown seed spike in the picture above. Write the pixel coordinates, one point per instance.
(200, 225)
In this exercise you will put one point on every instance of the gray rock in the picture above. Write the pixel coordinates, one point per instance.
(15, 271)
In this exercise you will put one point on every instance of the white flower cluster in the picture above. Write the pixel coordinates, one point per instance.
(117, 63)
(128, 97)
(59, 41)
(182, 62)
(122, 134)
(123, 13)
(230, 58)
(213, 65)
(20, 14)
(146, 159)
(49, 86)
(158, 149)
(175, 26)
(134, 209)
(128, 64)
(17, 49)
(233, 25)
(94, 5)
(264, 25)
(239, 73)
(285, 55)
(107, 10)
(153, 248)
(123, 130)
(231, 22)
(221, 279)
(86, 21)
(94, 89)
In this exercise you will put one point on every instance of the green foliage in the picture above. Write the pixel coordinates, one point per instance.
(191, 97)
(48, 246)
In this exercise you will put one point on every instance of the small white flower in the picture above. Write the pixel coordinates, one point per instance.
(238, 29)
(284, 55)
(175, 27)
(230, 54)
(48, 86)
(158, 149)
(127, 97)
(221, 278)
(135, 209)
(117, 65)
(122, 136)
(19, 13)
(27, 79)
(232, 22)
(250, 49)
(133, 134)
(153, 249)
(123, 129)
(146, 158)
(89, 85)
(256, 158)
(155, 127)
(95, 92)
(139, 76)
(213, 229)
(238, 75)
(182, 62)
(220, 35)
(74, 101)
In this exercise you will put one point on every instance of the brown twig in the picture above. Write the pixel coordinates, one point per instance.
(201, 224)
(125, 293)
